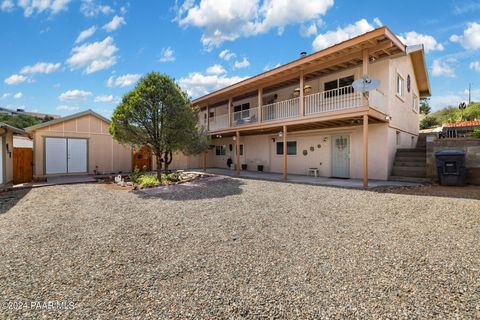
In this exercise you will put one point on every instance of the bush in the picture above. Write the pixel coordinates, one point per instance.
(476, 133)
(172, 177)
(135, 176)
(148, 180)
(428, 122)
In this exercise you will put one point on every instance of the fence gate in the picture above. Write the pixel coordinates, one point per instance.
(22, 165)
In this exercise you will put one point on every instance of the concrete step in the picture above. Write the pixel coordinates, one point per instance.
(409, 163)
(419, 150)
(409, 171)
(411, 159)
(409, 179)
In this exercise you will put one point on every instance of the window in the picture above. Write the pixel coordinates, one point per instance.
(343, 84)
(398, 138)
(212, 114)
(400, 82)
(415, 103)
(220, 150)
(291, 148)
(241, 111)
(241, 149)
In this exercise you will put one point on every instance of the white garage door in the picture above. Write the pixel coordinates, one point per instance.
(65, 155)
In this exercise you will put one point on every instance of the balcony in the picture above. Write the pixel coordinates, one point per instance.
(314, 104)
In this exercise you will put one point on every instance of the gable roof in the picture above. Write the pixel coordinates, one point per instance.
(417, 55)
(63, 119)
(12, 128)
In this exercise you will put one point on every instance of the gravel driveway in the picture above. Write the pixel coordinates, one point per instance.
(238, 249)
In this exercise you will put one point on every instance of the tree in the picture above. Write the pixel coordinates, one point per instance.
(424, 106)
(428, 122)
(158, 114)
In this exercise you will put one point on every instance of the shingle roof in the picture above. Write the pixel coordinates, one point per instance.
(472, 123)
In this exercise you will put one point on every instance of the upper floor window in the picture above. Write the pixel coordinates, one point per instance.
(344, 86)
(415, 103)
(400, 86)
(241, 111)
(291, 148)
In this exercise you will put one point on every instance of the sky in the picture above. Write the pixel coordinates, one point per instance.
(65, 56)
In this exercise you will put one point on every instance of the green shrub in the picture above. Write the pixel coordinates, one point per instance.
(135, 176)
(476, 133)
(148, 180)
(172, 177)
(428, 122)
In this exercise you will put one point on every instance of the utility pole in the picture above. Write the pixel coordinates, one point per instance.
(469, 93)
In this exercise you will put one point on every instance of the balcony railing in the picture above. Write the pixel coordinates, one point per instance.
(321, 102)
(281, 110)
(245, 117)
(218, 122)
(332, 100)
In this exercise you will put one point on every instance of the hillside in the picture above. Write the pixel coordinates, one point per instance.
(450, 114)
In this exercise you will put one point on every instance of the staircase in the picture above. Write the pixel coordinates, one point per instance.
(410, 164)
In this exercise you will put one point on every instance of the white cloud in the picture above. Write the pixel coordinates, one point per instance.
(452, 99)
(67, 108)
(216, 69)
(39, 6)
(5, 95)
(330, 38)
(228, 20)
(269, 67)
(123, 81)
(443, 68)
(114, 24)
(90, 9)
(197, 84)
(87, 33)
(241, 64)
(105, 99)
(41, 67)
(475, 65)
(18, 95)
(227, 55)
(307, 31)
(7, 5)
(470, 38)
(15, 79)
(377, 22)
(94, 56)
(429, 42)
(74, 95)
(167, 55)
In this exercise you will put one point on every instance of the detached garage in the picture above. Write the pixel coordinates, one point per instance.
(77, 144)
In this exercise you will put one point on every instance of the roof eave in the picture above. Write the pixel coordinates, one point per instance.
(63, 119)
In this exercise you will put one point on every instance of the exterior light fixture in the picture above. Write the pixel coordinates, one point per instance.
(234, 138)
(280, 134)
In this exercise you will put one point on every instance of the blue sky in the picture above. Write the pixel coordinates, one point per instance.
(64, 56)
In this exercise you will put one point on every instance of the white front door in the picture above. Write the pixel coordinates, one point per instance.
(341, 156)
(77, 155)
(65, 155)
(55, 155)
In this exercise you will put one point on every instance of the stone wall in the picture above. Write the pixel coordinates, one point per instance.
(471, 147)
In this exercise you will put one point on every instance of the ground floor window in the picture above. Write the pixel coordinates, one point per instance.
(220, 150)
(291, 148)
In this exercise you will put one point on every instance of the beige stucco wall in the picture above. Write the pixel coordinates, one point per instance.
(260, 149)
(104, 153)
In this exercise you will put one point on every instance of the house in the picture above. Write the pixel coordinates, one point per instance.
(460, 129)
(305, 115)
(7, 134)
(77, 144)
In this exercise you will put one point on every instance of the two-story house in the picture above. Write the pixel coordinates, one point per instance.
(306, 115)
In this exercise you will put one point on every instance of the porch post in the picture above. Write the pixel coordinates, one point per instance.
(260, 103)
(365, 62)
(237, 152)
(285, 153)
(365, 150)
(230, 102)
(205, 154)
(302, 100)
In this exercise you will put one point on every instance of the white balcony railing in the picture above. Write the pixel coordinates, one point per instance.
(281, 110)
(332, 100)
(218, 122)
(245, 117)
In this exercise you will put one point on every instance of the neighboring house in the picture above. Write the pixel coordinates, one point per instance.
(77, 144)
(7, 134)
(328, 125)
(459, 129)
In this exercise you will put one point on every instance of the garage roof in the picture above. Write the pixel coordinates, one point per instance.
(8, 127)
(63, 119)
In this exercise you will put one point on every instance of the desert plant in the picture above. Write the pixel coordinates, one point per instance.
(148, 180)
(135, 176)
(476, 133)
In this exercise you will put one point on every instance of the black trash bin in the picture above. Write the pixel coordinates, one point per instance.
(451, 167)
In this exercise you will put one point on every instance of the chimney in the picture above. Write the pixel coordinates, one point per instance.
(303, 54)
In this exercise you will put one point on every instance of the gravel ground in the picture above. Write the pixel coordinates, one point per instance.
(238, 249)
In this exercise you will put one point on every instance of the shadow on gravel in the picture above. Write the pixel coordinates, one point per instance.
(202, 190)
(8, 199)
(467, 192)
